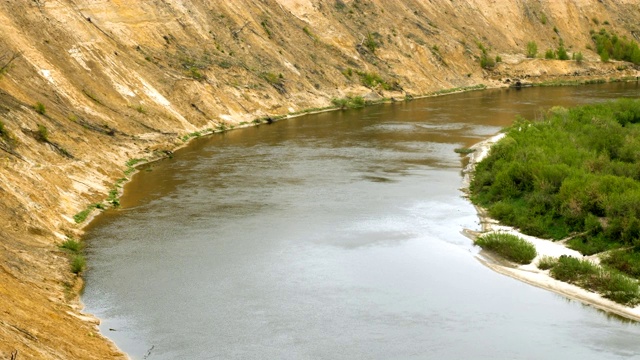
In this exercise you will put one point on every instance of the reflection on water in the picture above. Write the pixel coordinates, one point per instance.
(336, 236)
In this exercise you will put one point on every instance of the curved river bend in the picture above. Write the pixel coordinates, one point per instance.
(332, 236)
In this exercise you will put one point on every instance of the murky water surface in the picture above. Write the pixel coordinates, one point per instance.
(332, 236)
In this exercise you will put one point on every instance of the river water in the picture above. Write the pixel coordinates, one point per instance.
(332, 236)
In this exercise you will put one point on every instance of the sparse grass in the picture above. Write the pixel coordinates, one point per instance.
(512, 247)
(607, 282)
(464, 150)
(349, 102)
(225, 64)
(266, 28)
(82, 215)
(277, 81)
(140, 109)
(547, 262)
(113, 197)
(543, 19)
(92, 96)
(459, 89)
(72, 246)
(40, 108)
(371, 43)
(133, 162)
(310, 34)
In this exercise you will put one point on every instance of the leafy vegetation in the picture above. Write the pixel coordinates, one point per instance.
(574, 172)
(510, 246)
(609, 45)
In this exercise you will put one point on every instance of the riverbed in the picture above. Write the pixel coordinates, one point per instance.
(332, 236)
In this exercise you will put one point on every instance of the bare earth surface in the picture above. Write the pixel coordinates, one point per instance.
(120, 80)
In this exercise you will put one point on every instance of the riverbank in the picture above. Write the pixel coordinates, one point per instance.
(530, 273)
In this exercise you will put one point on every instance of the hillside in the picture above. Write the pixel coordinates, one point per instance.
(88, 85)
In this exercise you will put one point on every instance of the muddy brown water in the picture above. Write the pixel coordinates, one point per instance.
(332, 236)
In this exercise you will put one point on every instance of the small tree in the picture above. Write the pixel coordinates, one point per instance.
(532, 49)
(562, 52)
(604, 55)
(579, 58)
(550, 54)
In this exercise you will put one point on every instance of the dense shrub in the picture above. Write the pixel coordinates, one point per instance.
(577, 171)
(619, 48)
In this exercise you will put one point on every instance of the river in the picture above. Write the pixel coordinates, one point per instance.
(332, 236)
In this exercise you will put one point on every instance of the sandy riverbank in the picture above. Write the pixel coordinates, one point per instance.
(530, 273)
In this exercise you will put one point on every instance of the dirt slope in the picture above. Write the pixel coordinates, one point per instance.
(117, 80)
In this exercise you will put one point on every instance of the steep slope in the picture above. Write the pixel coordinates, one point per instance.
(87, 85)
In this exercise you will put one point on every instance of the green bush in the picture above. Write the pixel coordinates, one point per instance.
(626, 261)
(562, 52)
(578, 57)
(510, 246)
(43, 133)
(72, 245)
(532, 49)
(550, 54)
(78, 264)
(40, 108)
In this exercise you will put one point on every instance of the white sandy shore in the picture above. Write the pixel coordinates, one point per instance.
(530, 274)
